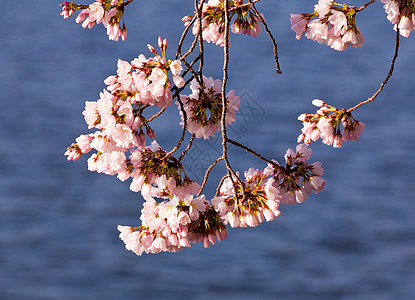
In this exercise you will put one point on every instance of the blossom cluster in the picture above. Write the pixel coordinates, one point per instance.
(331, 24)
(255, 201)
(108, 12)
(204, 107)
(327, 124)
(175, 213)
(172, 225)
(259, 196)
(402, 14)
(118, 114)
(297, 179)
(213, 21)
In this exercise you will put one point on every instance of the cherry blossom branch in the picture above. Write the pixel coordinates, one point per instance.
(243, 5)
(365, 5)
(184, 127)
(126, 3)
(182, 38)
(220, 185)
(251, 151)
(201, 48)
(190, 67)
(157, 114)
(274, 43)
(229, 169)
(205, 179)
(392, 67)
(189, 145)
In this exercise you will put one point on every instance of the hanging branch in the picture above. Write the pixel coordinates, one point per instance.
(184, 126)
(251, 151)
(201, 47)
(189, 145)
(230, 172)
(392, 67)
(184, 34)
(274, 43)
(205, 179)
(220, 185)
(243, 5)
(365, 5)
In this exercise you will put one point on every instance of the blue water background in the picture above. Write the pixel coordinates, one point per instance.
(58, 236)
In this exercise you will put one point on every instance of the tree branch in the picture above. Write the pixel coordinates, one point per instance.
(392, 67)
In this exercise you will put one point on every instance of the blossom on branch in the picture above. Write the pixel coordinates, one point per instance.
(327, 124)
(213, 21)
(334, 26)
(260, 203)
(108, 12)
(402, 14)
(297, 179)
(172, 225)
(204, 107)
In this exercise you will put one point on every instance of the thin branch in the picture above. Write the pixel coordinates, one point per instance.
(251, 151)
(220, 185)
(185, 31)
(126, 3)
(201, 48)
(191, 49)
(205, 179)
(189, 145)
(184, 126)
(243, 5)
(157, 114)
(274, 43)
(230, 172)
(365, 5)
(386, 79)
(190, 67)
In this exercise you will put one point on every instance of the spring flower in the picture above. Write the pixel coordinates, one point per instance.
(334, 26)
(297, 179)
(402, 14)
(204, 107)
(260, 203)
(172, 225)
(109, 13)
(213, 21)
(327, 124)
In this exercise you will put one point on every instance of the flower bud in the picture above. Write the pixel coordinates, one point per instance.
(152, 49)
(318, 103)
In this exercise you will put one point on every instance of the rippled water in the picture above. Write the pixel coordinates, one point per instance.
(58, 237)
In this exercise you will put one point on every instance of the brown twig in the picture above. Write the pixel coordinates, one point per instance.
(274, 43)
(243, 5)
(201, 47)
(157, 114)
(251, 151)
(185, 31)
(184, 126)
(229, 169)
(189, 145)
(205, 179)
(386, 79)
(220, 185)
(365, 5)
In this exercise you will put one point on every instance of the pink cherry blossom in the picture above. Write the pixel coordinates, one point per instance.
(204, 110)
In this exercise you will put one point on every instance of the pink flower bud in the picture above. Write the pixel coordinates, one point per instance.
(160, 42)
(151, 48)
(318, 103)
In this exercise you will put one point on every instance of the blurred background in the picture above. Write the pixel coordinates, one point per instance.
(58, 236)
